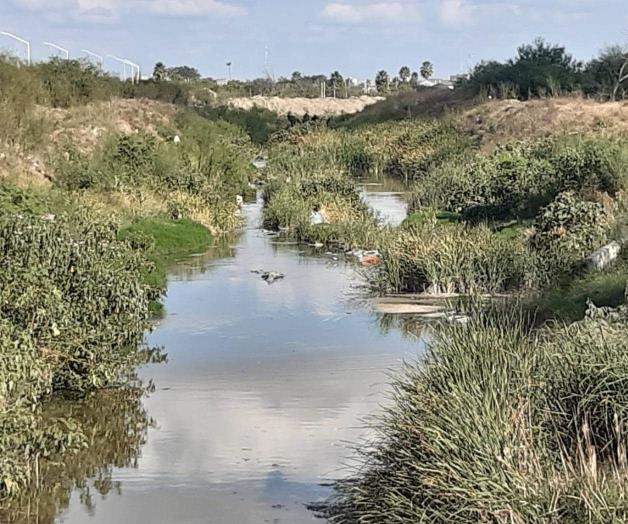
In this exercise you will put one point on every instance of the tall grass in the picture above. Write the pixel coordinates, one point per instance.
(500, 424)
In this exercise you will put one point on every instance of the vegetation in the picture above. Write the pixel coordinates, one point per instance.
(543, 69)
(500, 424)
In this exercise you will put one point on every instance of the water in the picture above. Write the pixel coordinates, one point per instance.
(389, 197)
(264, 388)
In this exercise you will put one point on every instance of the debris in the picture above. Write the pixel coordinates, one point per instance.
(316, 218)
(604, 256)
(269, 276)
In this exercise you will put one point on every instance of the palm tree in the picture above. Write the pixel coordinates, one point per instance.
(404, 74)
(160, 73)
(427, 69)
(381, 81)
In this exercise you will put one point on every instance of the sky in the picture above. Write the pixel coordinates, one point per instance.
(356, 37)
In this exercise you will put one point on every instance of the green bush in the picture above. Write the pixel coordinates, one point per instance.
(575, 226)
(517, 180)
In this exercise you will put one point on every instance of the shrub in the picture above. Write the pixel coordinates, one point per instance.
(575, 226)
(517, 180)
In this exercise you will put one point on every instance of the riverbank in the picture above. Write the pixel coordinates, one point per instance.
(96, 204)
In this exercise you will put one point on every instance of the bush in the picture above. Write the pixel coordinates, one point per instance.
(575, 226)
(517, 180)
(73, 314)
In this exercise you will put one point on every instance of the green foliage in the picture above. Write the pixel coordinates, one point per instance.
(575, 226)
(539, 69)
(165, 241)
(497, 424)
(451, 258)
(72, 317)
(518, 179)
(259, 123)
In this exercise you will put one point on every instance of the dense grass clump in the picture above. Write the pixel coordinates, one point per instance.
(452, 258)
(499, 424)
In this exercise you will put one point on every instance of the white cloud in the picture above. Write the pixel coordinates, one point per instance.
(371, 12)
(456, 12)
(193, 7)
(163, 7)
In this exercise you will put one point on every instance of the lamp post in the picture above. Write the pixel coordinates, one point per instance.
(98, 57)
(135, 68)
(21, 41)
(59, 48)
(229, 64)
(124, 64)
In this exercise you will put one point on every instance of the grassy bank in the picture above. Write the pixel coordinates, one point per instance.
(500, 424)
(96, 203)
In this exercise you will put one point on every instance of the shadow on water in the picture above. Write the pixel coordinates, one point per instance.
(264, 388)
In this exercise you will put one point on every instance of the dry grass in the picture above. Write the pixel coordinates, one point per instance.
(84, 126)
(501, 121)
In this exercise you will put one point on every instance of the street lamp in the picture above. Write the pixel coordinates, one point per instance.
(98, 57)
(229, 64)
(124, 64)
(21, 41)
(135, 68)
(59, 48)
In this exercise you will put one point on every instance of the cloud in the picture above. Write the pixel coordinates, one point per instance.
(371, 12)
(161, 7)
(456, 12)
(193, 7)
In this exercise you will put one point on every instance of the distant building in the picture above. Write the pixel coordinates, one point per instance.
(221, 81)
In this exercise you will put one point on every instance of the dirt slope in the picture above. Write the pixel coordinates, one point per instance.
(82, 128)
(499, 121)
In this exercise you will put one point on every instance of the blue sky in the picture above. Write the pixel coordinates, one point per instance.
(357, 37)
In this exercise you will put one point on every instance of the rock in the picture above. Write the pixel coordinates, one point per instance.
(176, 139)
(239, 200)
(604, 256)
(48, 217)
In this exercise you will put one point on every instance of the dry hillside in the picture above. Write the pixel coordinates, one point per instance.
(82, 128)
(495, 122)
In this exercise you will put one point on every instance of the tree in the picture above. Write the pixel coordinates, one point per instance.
(427, 69)
(414, 79)
(336, 81)
(296, 76)
(381, 81)
(404, 74)
(607, 74)
(184, 73)
(160, 73)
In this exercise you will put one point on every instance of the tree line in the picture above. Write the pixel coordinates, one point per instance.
(544, 69)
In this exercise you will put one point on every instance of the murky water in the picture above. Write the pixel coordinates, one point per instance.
(264, 388)
(389, 197)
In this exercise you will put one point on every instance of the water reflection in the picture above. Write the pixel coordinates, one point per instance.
(264, 387)
(115, 425)
(388, 197)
